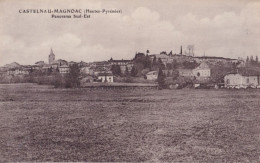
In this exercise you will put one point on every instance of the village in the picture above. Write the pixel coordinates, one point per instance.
(183, 70)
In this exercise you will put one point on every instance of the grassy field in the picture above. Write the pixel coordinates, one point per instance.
(39, 123)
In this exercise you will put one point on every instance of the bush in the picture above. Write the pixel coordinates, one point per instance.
(57, 81)
(161, 79)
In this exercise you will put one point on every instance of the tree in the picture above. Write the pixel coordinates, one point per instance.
(57, 69)
(256, 59)
(168, 74)
(147, 51)
(154, 59)
(31, 70)
(251, 60)
(116, 70)
(105, 79)
(161, 65)
(247, 61)
(147, 62)
(49, 71)
(126, 71)
(134, 72)
(169, 66)
(174, 64)
(161, 79)
(57, 80)
(72, 79)
(163, 52)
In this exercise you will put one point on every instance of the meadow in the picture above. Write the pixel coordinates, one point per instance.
(40, 123)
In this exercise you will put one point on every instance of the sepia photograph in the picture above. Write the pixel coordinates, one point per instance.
(130, 81)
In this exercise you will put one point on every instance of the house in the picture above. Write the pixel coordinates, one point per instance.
(106, 77)
(238, 80)
(168, 73)
(61, 62)
(21, 71)
(64, 69)
(11, 71)
(185, 72)
(164, 58)
(202, 71)
(87, 79)
(12, 65)
(40, 63)
(99, 70)
(2, 73)
(123, 64)
(54, 65)
(17, 71)
(102, 64)
(118, 62)
(213, 59)
(82, 64)
(242, 78)
(152, 75)
(71, 63)
(85, 70)
(31, 67)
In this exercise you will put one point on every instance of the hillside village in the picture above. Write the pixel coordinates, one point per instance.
(168, 69)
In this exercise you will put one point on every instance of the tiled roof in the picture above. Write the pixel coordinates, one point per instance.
(246, 72)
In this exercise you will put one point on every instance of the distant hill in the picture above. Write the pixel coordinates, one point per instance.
(12, 65)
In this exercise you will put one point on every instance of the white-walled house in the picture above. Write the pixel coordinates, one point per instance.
(202, 71)
(237, 80)
(106, 77)
(152, 75)
(17, 71)
(64, 69)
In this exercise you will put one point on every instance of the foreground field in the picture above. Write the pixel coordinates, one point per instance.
(39, 123)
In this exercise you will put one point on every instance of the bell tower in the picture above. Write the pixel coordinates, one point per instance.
(51, 57)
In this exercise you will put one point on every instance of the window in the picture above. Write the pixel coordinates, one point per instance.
(247, 80)
(228, 81)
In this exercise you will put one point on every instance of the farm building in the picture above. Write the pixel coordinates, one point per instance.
(106, 77)
(152, 75)
(202, 71)
(240, 80)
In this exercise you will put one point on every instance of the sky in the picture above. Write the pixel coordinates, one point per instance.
(215, 28)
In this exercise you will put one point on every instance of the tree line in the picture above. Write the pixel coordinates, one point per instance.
(250, 61)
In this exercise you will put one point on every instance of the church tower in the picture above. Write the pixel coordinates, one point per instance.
(51, 57)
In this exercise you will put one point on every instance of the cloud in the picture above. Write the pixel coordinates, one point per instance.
(228, 34)
(230, 31)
